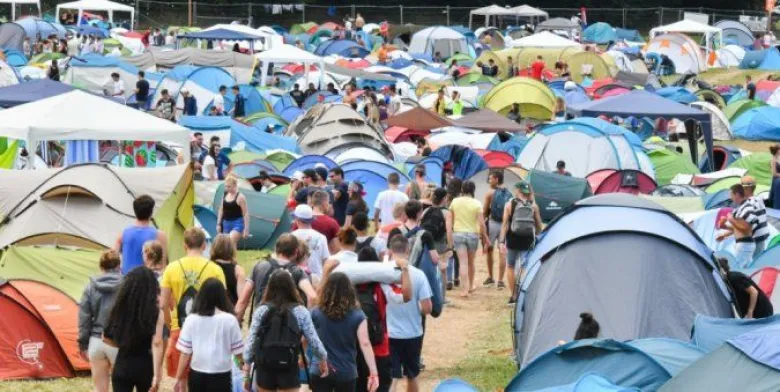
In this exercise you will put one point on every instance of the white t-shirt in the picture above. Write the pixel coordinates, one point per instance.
(208, 163)
(385, 201)
(318, 247)
(170, 40)
(212, 341)
(119, 87)
(395, 105)
(219, 103)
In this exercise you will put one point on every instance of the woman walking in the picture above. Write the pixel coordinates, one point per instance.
(347, 243)
(223, 252)
(233, 217)
(94, 309)
(208, 341)
(341, 323)
(468, 228)
(275, 370)
(356, 203)
(135, 327)
(153, 257)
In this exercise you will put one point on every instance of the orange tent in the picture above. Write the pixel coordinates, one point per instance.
(419, 119)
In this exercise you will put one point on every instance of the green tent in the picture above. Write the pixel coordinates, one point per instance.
(727, 182)
(668, 163)
(461, 58)
(475, 78)
(244, 156)
(45, 58)
(678, 205)
(302, 28)
(555, 193)
(66, 269)
(736, 108)
(280, 159)
(8, 153)
(268, 218)
(281, 190)
(758, 165)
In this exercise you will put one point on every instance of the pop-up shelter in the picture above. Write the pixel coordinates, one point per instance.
(98, 5)
(640, 103)
(14, 3)
(289, 54)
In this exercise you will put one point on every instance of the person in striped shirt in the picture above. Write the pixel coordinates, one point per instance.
(755, 214)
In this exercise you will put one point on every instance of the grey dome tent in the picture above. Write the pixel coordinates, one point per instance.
(642, 273)
(735, 33)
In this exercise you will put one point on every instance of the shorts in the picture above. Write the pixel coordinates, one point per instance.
(274, 379)
(743, 253)
(405, 357)
(173, 355)
(233, 225)
(494, 231)
(99, 350)
(470, 241)
(513, 256)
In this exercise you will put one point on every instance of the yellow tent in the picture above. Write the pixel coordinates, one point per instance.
(503, 67)
(536, 100)
(580, 61)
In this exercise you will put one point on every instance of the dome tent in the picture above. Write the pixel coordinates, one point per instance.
(535, 98)
(621, 181)
(767, 60)
(682, 50)
(734, 109)
(668, 164)
(599, 33)
(341, 47)
(721, 128)
(758, 124)
(625, 234)
(440, 39)
(735, 33)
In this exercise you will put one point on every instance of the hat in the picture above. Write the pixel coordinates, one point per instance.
(320, 165)
(569, 86)
(322, 172)
(523, 186)
(297, 176)
(303, 213)
(184, 91)
(748, 181)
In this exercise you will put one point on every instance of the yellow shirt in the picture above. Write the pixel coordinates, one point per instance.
(180, 272)
(467, 211)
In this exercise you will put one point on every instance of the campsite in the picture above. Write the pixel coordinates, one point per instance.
(609, 201)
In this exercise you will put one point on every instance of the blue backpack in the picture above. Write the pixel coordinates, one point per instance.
(500, 197)
(420, 257)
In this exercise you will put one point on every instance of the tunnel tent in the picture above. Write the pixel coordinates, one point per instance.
(713, 36)
(681, 50)
(484, 58)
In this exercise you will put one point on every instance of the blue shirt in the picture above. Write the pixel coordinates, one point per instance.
(404, 320)
(133, 240)
(239, 110)
(341, 343)
(190, 106)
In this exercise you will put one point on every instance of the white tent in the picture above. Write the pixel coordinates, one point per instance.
(78, 115)
(438, 39)
(269, 39)
(289, 54)
(729, 56)
(487, 12)
(721, 128)
(14, 3)
(526, 11)
(97, 5)
(545, 39)
(713, 36)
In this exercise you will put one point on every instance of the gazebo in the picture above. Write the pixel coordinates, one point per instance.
(487, 12)
(290, 54)
(14, 3)
(97, 5)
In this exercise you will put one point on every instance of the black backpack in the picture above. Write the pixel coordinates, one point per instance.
(433, 222)
(187, 298)
(278, 343)
(376, 326)
(364, 244)
(273, 267)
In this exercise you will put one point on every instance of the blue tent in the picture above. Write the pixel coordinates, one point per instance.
(373, 183)
(433, 169)
(622, 363)
(599, 33)
(677, 94)
(768, 258)
(674, 355)
(465, 163)
(640, 103)
(327, 97)
(15, 58)
(758, 124)
(254, 139)
(589, 382)
(33, 27)
(628, 35)
(454, 385)
(709, 333)
(91, 30)
(289, 114)
(22, 93)
(254, 101)
(341, 47)
(308, 162)
(383, 169)
(207, 219)
(767, 60)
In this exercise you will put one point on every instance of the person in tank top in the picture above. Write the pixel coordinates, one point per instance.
(233, 218)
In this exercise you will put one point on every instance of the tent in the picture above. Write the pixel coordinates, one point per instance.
(730, 56)
(220, 34)
(709, 333)
(288, 54)
(621, 181)
(330, 129)
(622, 363)
(769, 258)
(733, 110)
(512, 175)
(555, 193)
(735, 33)
(586, 145)
(12, 37)
(766, 60)
(14, 3)
(535, 98)
(758, 166)
(97, 5)
(491, 10)
(721, 128)
(526, 11)
(766, 279)
(238, 65)
(19, 94)
(681, 49)
(599, 33)
(713, 36)
(544, 39)
(572, 29)
(487, 120)
(341, 47)
(443, 40)
(236, 134)
(269, 218)
(92, 72)
(628, 35)
(72, 116)
(465, 162)
(8, 76)
(203, 83)
(748, 359)
(87, 205)
(641, 103)
(568, 274)
(668, 163)
(758, 124)
(418, 119)
(36, 27)
(677, 94)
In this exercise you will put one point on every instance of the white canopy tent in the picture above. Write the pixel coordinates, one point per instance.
(268, 39)
(532, 13)
(713, 36)
(545, 39)
(78, 115)
(289, 54)
(487, 12)
(438, 39)
(97, 5)
(14, 3)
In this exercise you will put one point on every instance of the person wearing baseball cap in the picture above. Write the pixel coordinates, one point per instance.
(317, 242)
(757, 217)
(516, 243)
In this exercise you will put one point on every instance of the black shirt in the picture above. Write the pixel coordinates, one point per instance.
(297, 96)
(340, 204)
(143, 90)
(240, 111)
(740, 283)
(261, 271)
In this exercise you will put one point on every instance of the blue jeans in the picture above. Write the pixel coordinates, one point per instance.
(452, 271)
(743, 253)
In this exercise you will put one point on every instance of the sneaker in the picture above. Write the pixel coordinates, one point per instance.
(449, 286)
(500, 285)
(489, 282)
(511, 301)
(457, 282)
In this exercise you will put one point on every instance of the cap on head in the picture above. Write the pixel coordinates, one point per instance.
(297, 176)
(303, 213)
(748, 181)
(524, 187)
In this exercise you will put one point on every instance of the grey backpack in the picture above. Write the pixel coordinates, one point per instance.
(522, 223)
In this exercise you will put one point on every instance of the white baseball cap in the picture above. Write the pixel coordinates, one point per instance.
(184, 91)
(320, 165)
(303, 213)
(297, 176)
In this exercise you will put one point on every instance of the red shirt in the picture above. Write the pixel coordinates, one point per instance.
(381, 349)
(324, 225)
(536, 69)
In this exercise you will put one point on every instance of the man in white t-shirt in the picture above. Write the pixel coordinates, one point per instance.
(117, 86)
(318, 244)
(219, 101)
(395, 102)
(386, 200)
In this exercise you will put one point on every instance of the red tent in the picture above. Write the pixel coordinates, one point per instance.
(766, 279)
(621, 181)
(297, 68)
(401, 134)
(495, 159)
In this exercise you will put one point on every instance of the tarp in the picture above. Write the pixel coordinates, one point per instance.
(487, 120)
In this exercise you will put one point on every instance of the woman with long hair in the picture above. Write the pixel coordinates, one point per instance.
(468, 228)
(135, 327)
(209, 339)
(342, 325)
(281, 296)
(347, 243)
(212, 167)
(223, 252)
(233, 216)
(356, 203)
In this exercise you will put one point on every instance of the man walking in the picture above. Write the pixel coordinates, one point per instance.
(521, 223)
(755, 215)
(493, 210)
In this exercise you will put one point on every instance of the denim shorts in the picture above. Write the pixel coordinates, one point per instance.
(233, 225)
(513, 256)
(470, 241)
